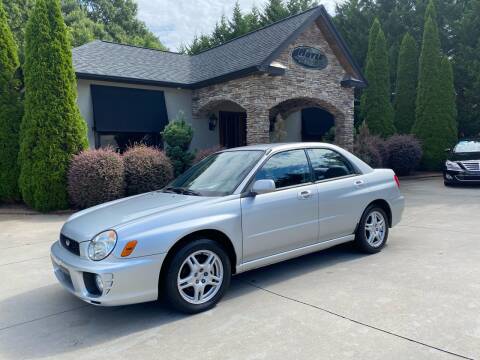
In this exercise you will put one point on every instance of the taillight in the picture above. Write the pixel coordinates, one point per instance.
(395, 177)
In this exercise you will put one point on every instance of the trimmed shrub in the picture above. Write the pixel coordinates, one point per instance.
(404, 152)
(202, 154)
(95, 177)
(146, 169)
(369, 153)
(52, 130)
(177, 137)
(381, 145)
(366, 147)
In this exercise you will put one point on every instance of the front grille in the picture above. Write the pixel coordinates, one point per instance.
(471, 165)
(69, 244)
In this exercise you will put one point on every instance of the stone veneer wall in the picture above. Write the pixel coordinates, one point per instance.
(259, 93)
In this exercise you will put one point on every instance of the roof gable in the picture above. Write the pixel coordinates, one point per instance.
(249, 53)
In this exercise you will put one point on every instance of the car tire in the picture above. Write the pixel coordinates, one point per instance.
(192, 287)
(371, 235)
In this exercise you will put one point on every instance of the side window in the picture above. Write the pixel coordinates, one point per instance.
(287, 168)
(328, 164)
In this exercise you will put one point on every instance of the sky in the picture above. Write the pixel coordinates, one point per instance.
(178, 21)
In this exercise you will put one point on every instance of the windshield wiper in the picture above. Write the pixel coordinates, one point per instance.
(181, 190)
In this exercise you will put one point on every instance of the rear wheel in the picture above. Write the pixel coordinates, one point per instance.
(372, 231)
(198, 276)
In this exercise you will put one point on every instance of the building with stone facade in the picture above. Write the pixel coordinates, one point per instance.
(297, 71)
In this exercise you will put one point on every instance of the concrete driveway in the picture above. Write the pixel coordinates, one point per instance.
(418, 299)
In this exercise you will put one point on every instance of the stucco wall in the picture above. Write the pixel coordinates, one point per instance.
(176, 100)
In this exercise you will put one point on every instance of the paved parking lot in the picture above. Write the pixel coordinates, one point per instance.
(418, 299)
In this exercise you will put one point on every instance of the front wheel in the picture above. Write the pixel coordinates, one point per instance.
(198, 276)
(372, 231)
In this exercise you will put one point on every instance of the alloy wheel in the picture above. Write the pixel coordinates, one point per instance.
(375, 228)
(200, 277)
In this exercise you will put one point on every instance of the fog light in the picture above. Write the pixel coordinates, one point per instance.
(99, 282)
(448, 176)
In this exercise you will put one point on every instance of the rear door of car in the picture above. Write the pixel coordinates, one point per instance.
(342, 193)
(287, 218)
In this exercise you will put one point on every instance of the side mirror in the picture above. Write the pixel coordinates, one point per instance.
(263, 187)
(448, 150)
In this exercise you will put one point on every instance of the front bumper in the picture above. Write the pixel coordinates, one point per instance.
(126, 281)
(466, 177)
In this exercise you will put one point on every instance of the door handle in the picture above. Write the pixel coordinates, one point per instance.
(305, 194)
(358, 183)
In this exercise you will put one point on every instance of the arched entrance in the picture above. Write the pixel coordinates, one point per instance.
(304, 119)
(227, 122)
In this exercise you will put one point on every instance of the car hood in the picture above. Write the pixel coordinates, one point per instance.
(85, 224)
(464, 156)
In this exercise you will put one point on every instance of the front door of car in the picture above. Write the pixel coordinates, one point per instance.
(341, 193)
(286, 218)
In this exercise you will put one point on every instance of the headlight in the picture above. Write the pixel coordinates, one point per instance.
(102, 245)
(452, 166)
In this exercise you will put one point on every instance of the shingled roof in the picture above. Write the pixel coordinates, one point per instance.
(246, 54)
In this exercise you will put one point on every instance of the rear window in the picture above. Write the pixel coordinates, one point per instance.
(467, 146)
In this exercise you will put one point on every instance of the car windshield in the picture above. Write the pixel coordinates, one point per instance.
(217, 175)
(467, 146)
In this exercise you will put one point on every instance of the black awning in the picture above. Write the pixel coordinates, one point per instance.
(119, 109)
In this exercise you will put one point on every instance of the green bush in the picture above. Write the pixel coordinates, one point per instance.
(177, 137)
(95, 177)
(366, 147)
(52, 130)
(146, 169)
(10, 113)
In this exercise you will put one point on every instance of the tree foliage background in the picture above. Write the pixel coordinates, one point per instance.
(87, 20)
(241, 23)
(458, 23)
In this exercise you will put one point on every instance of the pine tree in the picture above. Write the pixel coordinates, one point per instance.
(377, 110)
(406, 87)
(52, 129)
(274, 10)
(448, 98)
(238, 25)
(10, 112)
(433, 120)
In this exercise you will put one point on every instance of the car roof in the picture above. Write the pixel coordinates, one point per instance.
(282, 146)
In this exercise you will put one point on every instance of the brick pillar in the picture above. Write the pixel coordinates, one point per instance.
(258, 125)
(344, 130)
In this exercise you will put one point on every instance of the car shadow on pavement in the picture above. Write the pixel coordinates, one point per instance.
(47, 321)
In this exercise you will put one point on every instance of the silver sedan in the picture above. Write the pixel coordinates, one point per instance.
(237, 210)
